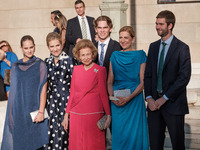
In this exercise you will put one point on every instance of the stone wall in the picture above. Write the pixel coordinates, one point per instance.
(142, 16)
(19, 18)
(33, 17)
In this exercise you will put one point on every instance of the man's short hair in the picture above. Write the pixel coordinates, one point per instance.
(169, 17)
(79, 2)
(103, 18)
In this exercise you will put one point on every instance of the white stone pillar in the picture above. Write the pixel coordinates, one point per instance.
(116, 10)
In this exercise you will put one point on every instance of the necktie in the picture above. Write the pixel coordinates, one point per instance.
(160, 68)
(84, 30)
(102, 54)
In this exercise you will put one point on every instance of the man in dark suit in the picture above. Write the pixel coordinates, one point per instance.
(168, 71)
(103, 28)
(79, 27)
(106, 46)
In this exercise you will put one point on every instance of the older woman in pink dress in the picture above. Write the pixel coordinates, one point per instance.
(88, 101)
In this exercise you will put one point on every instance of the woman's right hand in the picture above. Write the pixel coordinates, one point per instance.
(107, 123)
(65, 122)
(115, 102)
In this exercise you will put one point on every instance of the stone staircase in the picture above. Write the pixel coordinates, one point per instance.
(192, 130)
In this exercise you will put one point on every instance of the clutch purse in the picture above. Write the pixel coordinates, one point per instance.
(102, 122)
(34, 113)
(7, 77)
(121, 93)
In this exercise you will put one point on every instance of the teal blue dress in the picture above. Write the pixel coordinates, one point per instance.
(129, 122)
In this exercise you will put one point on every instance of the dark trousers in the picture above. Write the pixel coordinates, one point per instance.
(157, 123)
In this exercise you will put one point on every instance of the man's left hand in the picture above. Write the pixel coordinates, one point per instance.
(159, 102)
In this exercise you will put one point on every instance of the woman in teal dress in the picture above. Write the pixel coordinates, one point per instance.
(129, 122)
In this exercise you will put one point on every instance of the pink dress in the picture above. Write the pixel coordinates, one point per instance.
(87, 103)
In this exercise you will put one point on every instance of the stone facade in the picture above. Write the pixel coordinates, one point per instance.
(33, 17)
(19, 18)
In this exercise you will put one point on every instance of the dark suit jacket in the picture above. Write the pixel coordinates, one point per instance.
(74, 32)
(175, 77)
(112, 46)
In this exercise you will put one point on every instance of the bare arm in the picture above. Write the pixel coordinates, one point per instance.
(7, 61)
(140, 87)
(110, 81)
(63, 37)
(138, 90)
(65, 121)
(40, 115)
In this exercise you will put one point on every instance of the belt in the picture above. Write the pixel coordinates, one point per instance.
(160, 94)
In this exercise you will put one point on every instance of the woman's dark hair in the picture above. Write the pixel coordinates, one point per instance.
(26, 37)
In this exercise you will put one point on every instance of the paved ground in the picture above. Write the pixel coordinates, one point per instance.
(194, 126)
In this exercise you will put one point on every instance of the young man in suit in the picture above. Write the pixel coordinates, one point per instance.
(106, 46)
(168, 71)
(79, 27)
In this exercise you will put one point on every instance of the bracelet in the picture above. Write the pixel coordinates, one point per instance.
(111, 98)
(6, 61)
(41, 112)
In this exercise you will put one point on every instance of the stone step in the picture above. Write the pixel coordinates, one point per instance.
(194, 112)
(171, 149)
(192, 126)
(192, 141)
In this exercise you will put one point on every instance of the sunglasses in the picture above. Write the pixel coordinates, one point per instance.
(3, 46)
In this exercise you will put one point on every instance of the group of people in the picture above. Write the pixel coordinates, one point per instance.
(76, 85)
(7, 58)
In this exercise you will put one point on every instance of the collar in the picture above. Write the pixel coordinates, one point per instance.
(80, 17)
(63, 55)
(105, 42)
(169, 40)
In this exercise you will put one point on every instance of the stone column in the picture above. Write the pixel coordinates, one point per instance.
(116, 10)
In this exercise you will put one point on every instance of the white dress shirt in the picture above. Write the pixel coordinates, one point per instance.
(87, 26)
(105, 48)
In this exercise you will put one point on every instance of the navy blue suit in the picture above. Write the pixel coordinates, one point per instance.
(112, 46)
(175, 77)
(74, 32)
